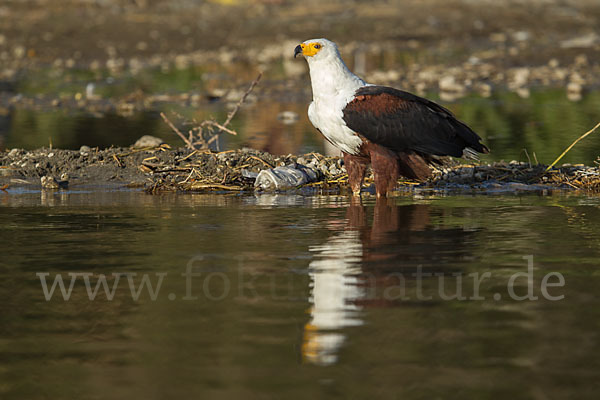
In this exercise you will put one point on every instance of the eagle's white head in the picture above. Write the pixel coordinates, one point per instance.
(317, 50)
(328, 74)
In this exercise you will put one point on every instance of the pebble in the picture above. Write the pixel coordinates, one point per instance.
(6, 171)
(449, 84)
(84, 150)
(14, 152)
(148, 141)
(48, 182)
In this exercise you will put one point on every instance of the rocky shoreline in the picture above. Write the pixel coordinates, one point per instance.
(452, 47)
(161, 168)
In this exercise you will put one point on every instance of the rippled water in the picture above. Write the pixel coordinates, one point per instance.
(299, 297)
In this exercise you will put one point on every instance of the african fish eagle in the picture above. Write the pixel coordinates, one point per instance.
(396, 131)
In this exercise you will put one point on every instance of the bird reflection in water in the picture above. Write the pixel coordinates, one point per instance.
(360, 259)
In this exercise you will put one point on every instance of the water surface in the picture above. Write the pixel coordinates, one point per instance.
(298, 297)
(532, 129)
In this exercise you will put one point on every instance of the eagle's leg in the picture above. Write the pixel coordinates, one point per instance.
(356, 167)
(385, 169)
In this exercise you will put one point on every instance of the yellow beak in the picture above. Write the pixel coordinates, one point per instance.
(306, 50)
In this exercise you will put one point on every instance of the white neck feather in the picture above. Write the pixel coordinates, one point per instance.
(330, 77)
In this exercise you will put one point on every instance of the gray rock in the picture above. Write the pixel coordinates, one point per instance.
(84, 150)
(14, 153)
(147, 141)
(7, 172)
(48, 182)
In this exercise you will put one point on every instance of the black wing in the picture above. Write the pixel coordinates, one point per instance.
(402, 121)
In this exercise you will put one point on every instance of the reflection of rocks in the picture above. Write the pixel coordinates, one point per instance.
(273, 127)
(288, 117)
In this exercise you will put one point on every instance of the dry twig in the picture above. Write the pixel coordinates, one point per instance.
(177, 131)
(196, 135)
(571, 146)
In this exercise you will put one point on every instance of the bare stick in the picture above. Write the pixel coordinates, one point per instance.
(571, 146)
(219, 126)
(528, 159)
(177, 131)
(239, 104)
(212, 139)
(214, 128)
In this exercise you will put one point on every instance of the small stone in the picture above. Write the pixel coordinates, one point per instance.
(553, 63)
(48, 182)
(84, 150)
(574, 87)
(13, 153)
(50, 155)
(449, 84)
(484, 89)
(147, 141)
(523, 92)
(6, 171)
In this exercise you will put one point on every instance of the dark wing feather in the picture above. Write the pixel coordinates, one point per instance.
(402, 121)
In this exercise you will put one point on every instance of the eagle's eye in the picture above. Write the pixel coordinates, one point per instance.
(317, 46)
